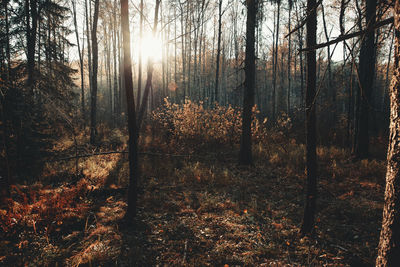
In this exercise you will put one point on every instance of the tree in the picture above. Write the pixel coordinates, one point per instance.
(245, 156)
(134, 121)
(132, 128)
(95, 63)
(389, 242)
(139, 91)
(218, 50)
(311, 155)
(80, 53)
(366, 78)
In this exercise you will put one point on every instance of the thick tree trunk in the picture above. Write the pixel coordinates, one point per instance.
(311, 157)
(389, 243)
(245, 156)
(93, 131)
(366, 76)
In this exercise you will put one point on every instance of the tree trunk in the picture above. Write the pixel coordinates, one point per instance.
(89, 49)
(130, 101)
(389, 242)
(245, 156)
(139, 92)
(366, 76)
(289, 59)
(148, 85)
(80, 62)
(275, 63)
(31, 29)
(116, 99)
(93, 131)
(311, 156)
(218, 50)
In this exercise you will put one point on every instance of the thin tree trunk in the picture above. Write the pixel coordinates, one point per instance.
(139, 92)
(93, 131)
(31, 33)
(89, 49)
(218, 50)
(289, 60)
(275, 64)
(80, 62)
(143, 106)
(116, 102)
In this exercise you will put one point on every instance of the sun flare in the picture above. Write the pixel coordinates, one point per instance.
(151, 47)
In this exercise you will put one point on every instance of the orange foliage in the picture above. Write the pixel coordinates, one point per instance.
(192, 121)
(42, 207)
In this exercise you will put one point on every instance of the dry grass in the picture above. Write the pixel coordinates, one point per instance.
(197, 210)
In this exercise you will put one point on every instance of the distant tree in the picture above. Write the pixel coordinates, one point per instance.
(220, 13)
(80, 54)
(311, 155)
(389, 242)
(32, 17)
(245, 156)
(93, 131)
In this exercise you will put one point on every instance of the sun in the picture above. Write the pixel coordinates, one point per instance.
(151, 48)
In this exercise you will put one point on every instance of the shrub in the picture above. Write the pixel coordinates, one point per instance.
(192, 122)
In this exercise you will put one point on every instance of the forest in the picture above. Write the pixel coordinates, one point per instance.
(199, 133)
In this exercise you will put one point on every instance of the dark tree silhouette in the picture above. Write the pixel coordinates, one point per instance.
(311, 157)
(366, 78)
(132, 127)
(245, 156)
(95, 51)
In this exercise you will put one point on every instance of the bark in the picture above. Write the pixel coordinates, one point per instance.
(311, 156)
(89, 49)
(289, 59)
(93, 131)
(366, 76)
(389, 242)
(218, 50)
(245, 156)
(134, 171)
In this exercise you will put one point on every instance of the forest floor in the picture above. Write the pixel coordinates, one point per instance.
(197, 207)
